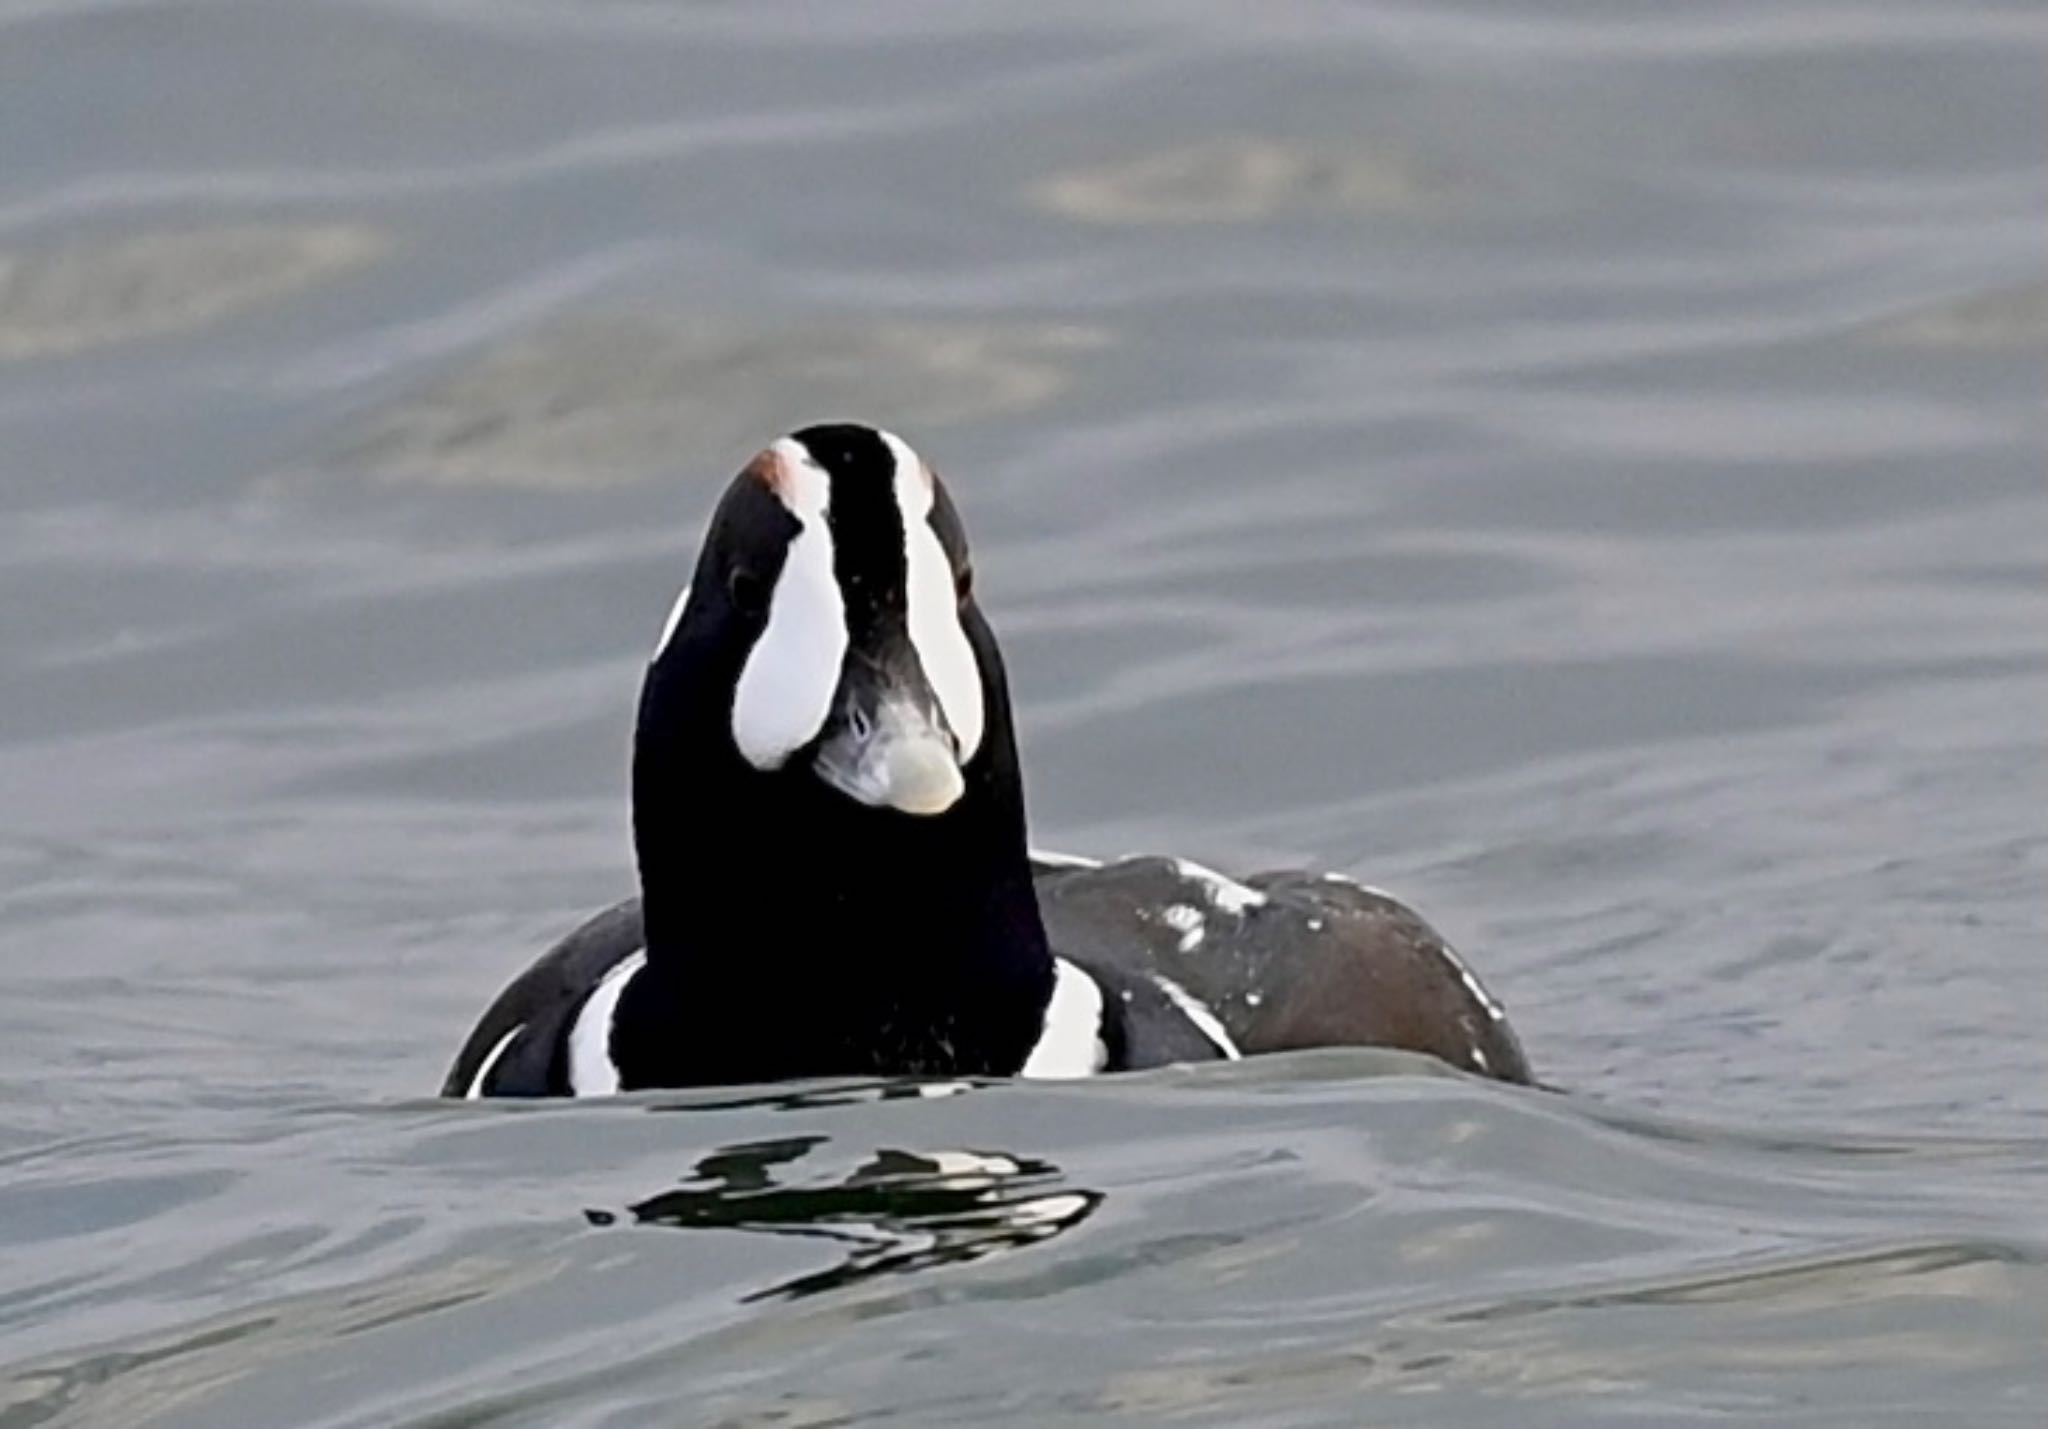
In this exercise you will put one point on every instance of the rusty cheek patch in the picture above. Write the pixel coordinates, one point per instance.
(771, 469)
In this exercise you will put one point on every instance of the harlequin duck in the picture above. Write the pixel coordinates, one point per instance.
(834, 874)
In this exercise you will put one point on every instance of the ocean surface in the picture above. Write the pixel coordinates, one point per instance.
(1582, 466)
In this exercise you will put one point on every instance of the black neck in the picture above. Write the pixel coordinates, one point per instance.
(794, 932)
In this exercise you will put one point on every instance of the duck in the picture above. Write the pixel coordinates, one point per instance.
(835, 873)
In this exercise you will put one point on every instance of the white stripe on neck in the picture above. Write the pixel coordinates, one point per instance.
(592, 1072)
(675, 618)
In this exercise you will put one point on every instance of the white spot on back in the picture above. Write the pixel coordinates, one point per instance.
(476, 1085)
(1226, 894)
(592, 1073)
(1197, 1012)
(1472, 984)
(932, 605)
(1071, 1043)
(1479, 1060)
(1186, 920)
(786, 686)
(1063, 860)
(1465, 975)
(1349, 882)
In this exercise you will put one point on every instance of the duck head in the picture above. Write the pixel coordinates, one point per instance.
(826, 713)
(838, 561)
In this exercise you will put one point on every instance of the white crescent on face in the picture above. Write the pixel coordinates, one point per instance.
(786, 687)
(933, 603)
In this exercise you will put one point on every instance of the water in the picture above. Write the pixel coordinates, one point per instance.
(1578, 465)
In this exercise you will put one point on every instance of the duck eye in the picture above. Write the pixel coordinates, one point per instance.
(963, 583)
(749, 592)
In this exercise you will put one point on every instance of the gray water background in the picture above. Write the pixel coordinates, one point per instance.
(1578, 465)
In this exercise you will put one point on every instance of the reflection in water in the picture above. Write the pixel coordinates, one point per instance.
(2000, 318)
(897, 1212)
(1240, 180)
(604, 400)
(1960, 1270)
(1850, 1310)
(820, 1097)
(89, 294)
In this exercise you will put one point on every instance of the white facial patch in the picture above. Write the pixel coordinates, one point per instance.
(785, 689)
(933, 604)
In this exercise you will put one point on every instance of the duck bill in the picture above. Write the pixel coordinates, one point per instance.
(886, 748)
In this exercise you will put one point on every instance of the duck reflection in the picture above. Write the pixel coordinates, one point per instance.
(899, 1211)
(825, 1096)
